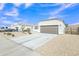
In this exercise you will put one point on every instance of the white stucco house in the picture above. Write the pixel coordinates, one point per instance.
(51, 26)
(19, 26)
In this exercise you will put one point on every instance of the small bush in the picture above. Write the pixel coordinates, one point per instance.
(9, 33)
(13, 35)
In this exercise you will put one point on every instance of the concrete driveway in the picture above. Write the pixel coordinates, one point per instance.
(34, 40)
(11, 48)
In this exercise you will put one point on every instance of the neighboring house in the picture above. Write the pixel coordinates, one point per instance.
(52, 26)
(20, 26)
(73, 29)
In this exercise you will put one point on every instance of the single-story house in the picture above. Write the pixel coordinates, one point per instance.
(51, 26)
(20, 26)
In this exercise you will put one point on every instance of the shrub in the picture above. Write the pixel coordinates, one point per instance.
(13, 35)
(9, 33)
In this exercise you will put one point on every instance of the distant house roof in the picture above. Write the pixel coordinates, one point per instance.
(20, 24)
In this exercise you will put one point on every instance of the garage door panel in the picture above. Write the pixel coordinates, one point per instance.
(52, 29)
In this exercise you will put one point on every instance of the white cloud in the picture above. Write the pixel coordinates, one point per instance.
(49, 4)
(17, 4)
(63, 7)
(58, 16)
(55, 14)
(4, 21)
(14, 12)
(27, 5)
(1, 6)
(7, 22)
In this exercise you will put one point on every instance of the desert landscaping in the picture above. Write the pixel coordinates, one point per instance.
(61, 45)
(39, 29)
(49, 38)
(46, 40)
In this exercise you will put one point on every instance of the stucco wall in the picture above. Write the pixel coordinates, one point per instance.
(61, 29)
(61, 25)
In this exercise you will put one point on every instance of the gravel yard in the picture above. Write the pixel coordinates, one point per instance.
(61, 45)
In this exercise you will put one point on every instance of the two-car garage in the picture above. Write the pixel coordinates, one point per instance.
(52, 26)
(51, 29)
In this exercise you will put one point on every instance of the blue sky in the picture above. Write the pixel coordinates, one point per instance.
(32, 13)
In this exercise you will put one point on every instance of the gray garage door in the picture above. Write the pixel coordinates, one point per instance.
(51, 29)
